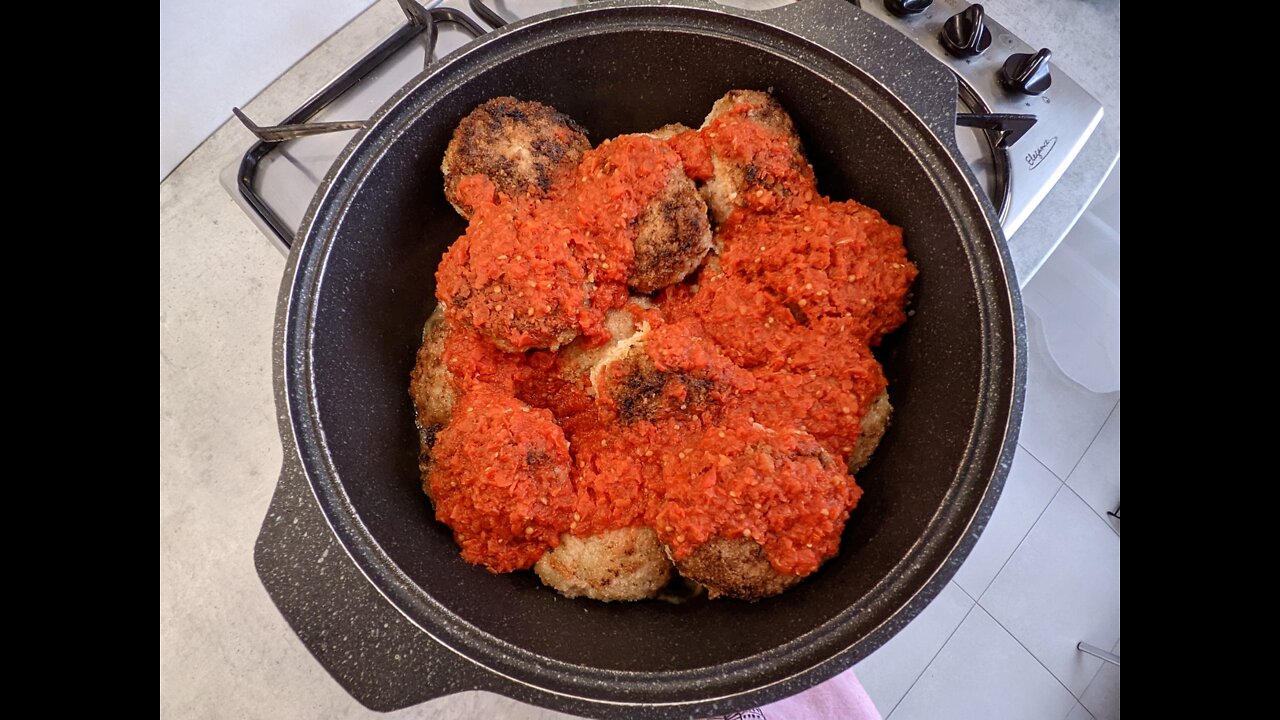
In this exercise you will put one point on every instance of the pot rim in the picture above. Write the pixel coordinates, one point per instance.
(781, 670)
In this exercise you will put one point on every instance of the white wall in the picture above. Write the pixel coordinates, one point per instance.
(214, 55)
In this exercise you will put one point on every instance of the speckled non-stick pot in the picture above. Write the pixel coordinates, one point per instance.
(876, 114)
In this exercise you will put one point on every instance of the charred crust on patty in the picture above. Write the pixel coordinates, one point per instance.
(673, 235)
(640, 391)
(520, 145)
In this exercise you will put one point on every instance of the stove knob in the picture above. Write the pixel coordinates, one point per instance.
(1026, 73)
(903, 8)
(965, 34)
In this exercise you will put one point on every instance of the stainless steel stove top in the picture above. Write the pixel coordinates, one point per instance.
(275, 182)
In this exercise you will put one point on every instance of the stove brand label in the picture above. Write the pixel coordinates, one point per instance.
(1037, 156)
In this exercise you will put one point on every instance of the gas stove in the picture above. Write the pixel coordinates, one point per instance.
(1021, 123)
(1020, 120)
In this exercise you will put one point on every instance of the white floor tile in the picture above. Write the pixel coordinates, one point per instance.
(1062, 586)
(1079, 713)
(1097, 478)
(1027, 493)
(982, 672)
(1061, 417)
(1102, 698)
(891, 671)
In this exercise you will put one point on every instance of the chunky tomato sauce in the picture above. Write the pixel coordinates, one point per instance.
(500, 479)
(534, 272)
(757, 371)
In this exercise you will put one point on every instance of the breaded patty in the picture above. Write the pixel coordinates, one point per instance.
(501, 479)
(580, 362)
(511, 322)
(624, 564)
(640, 391)
(672, 236)
(430, 387)
(670, 371)
(764, 110)
(734, 178)
(874, 425)
(737, 568)
(520, 145)
(669, 131)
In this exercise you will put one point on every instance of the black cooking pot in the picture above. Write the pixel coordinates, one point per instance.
(876, 114)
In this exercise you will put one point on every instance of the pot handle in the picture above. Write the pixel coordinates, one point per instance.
(923, 83)
(374, 652)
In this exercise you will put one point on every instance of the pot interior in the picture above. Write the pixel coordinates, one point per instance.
(376, 288)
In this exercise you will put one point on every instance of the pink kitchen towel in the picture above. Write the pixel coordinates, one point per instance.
(842, 697)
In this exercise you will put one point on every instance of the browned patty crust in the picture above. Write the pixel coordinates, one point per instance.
(673, 234)
(622, 564)
(520, 145)
(736, 568)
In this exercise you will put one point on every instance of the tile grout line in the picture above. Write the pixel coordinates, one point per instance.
(1086, 452)
(1094, 511)
(1086, 449)
(1092, 680)
(936, 654)
(1042, 463)
(1002, 567)
(977, 603)
(1093, 440)
(1086, 711)
(1043, 510)
(1033, 655)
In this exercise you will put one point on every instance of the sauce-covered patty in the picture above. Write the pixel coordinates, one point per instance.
(566, 420)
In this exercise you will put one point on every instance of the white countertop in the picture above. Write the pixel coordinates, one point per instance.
(224, 649)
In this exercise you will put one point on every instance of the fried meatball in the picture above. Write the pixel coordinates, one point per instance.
(874, 424)
(623, 564)
(430, 385)
(672, 236)
(500, 479)
(738, 178)
(666, 132)
(736, 568)
(581, 361)
(432, 389)
(520, 296)
(765, 480)
(765, 111)
(520, 145)
(673, 370)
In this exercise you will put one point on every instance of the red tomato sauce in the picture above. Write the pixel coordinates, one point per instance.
(500, 479)
(763, 360)
(536, 272)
